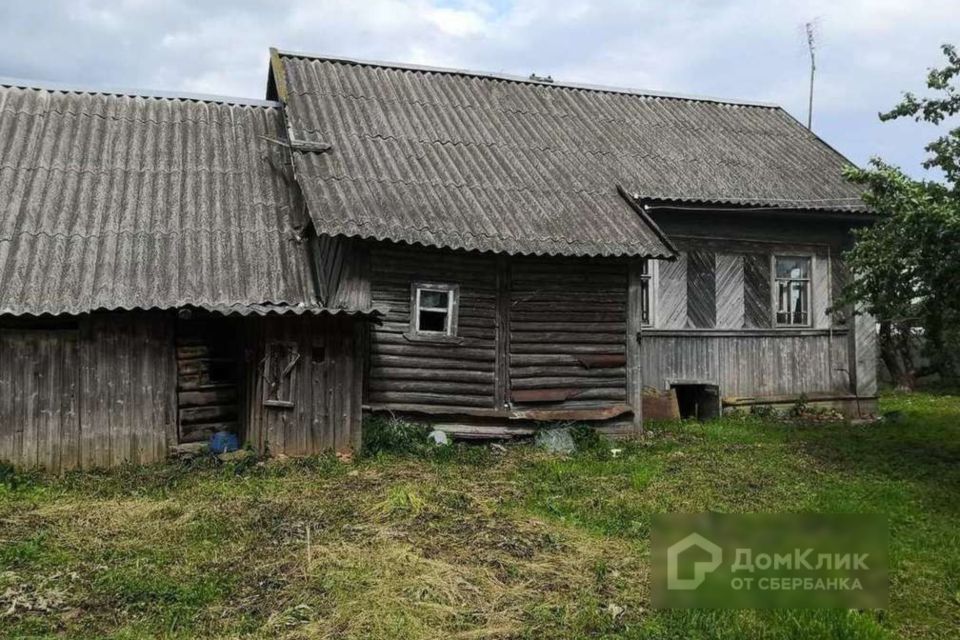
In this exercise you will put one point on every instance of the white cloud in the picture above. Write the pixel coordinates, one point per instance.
(868, 50)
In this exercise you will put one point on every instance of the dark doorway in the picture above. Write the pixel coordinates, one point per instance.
(698, 401)
(208, 375)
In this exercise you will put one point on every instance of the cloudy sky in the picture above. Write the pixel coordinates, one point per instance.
(868, 51)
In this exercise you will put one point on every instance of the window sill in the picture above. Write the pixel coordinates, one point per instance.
(419, 337)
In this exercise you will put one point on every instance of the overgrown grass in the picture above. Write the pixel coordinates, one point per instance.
(461, 542)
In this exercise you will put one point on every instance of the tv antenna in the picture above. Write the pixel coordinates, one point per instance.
(812, 47)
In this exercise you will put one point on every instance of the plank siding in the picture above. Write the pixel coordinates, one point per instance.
(408, 371)
(730, 303)
(701, 289)
(326, 385)
(342, 272)
(748, 365)
(671, 307)
(564, 311)
(128, 400)
(97, 396)
(757, 296)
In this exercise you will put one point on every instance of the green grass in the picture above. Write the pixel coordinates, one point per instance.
(471, 544)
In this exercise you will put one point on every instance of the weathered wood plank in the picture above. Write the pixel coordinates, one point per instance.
(567, 371)
(419, 373)
(701, 289)
(757, 297)
(730, 302)
(671, 310)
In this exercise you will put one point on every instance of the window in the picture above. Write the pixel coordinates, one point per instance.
(646, 293)
(792, 283)
(434, 310)
(279, 374)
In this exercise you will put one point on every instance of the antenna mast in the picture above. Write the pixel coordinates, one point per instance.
(811, 45)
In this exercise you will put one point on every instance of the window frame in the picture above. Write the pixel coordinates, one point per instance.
(289, 374)
(775, 289)
(652, 280)
(450, 333)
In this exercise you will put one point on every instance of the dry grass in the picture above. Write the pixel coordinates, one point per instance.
(397, 549)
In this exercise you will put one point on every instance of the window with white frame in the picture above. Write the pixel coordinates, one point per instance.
(792, 290)
(646, 293)
(433, 309)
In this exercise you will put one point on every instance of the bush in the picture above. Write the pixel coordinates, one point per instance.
(588, 439)
(392, 435)
(11, 478)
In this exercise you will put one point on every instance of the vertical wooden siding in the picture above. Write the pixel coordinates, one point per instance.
(408, 371)
(99, 396)
(327, 385)
(39, 423)
(563, 312)
(749, 365)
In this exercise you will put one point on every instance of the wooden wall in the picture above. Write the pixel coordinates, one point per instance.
(534, 335)
(568, 332)
(544, 333)
(748, 364)
(407, 371)
(714, 310)
(326, 384)
(97, 391)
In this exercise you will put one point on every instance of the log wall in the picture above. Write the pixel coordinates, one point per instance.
(568, 329)
(208, 372)
(97, 391)
(407, 370)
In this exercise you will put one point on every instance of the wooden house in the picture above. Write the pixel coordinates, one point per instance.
(486, 252)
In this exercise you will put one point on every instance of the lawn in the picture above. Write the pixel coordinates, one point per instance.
(469, 543)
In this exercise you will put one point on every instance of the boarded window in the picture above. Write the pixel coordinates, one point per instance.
(701, 289)
(434, 309)
(756, 291)
(792, 290)
(279, 374)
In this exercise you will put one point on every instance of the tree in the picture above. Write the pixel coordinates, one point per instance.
(908, 262)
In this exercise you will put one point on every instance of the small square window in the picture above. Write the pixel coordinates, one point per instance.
(792, 290)
(434, 309)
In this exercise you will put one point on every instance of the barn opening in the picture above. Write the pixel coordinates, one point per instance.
(208, 375)
(698, 401)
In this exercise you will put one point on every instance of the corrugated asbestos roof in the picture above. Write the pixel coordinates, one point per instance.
(468, 160)
(120, 201)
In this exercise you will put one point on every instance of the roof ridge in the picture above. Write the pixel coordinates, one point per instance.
(44, 85)
(507, 77)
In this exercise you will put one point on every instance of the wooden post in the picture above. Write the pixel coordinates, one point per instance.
(634, 327)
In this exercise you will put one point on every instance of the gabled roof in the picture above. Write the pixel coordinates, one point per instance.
(471, 160)
(124, 200)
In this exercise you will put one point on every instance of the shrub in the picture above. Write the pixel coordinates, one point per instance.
(11, 478)
(392, 435)
(587, 438)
